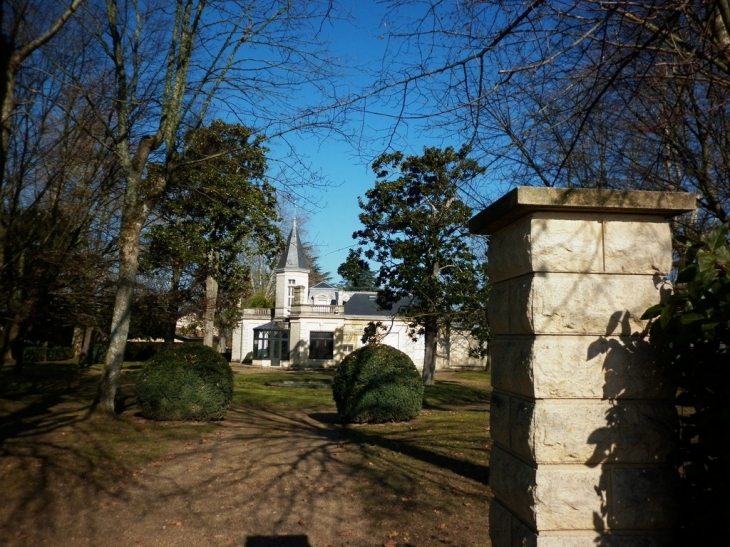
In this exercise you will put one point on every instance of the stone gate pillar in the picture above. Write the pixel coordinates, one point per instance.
(581, 419)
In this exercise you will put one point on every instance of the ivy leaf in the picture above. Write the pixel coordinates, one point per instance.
(652, 312)
(688, 318)
(717, 237)
(666, 316)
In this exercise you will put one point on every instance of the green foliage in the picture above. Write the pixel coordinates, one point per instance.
(38, 354)
(357, 273)
(185, 382)
(415, 226)
(691, 331)
(59, 353)
(259, 299)
(218, 211)
(34, 354)
(142, 351)
(377, 383)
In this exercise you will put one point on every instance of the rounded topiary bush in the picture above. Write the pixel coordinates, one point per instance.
(377, 383)
(185, 382)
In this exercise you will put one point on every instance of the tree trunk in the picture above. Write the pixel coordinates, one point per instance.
(10, 332)
(132, 220)
(77, 342)
(429, 354)
(18, 347)
(211, 298)
(84, 354)
(173, 308)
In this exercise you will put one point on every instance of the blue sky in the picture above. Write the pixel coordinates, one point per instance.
(361, 43)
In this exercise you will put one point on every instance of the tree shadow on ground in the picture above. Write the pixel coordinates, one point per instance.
(257, 474)
(357, 436)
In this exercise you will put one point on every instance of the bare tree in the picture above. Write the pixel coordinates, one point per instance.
(207, 65)
(24, 31)
(57, 190)
(611, 94)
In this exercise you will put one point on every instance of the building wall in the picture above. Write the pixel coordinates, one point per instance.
(452, 352)
(305, 327)
(300, 278)
(242, 339)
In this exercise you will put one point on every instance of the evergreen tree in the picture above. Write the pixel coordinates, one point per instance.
(415, 227)
(357, 273)
(217, 209)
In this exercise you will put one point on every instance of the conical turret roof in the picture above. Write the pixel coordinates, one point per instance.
(293, 257)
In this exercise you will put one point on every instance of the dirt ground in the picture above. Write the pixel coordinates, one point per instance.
(255, 479)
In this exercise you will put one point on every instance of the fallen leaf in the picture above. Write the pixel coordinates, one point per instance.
(437, 511)
(390, 543)
(176, 523)
(345, 533)
(441, 526)
(302, 523)
(405, 499)
(393, 534)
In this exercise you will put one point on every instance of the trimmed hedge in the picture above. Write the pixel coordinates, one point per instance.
(377, 383)
(39, 354)
(59, 353)
(142, 351)
(185, 382)
(34, 354)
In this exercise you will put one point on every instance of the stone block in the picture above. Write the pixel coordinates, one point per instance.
(604, 367)
(583, 431)
(556, 303)
(637, 245)
(597, 539)
(526, 200)
(513, 484)
(643, 498)
(581, 243)
(551, 497)
(500, 525)
(566, 242)
(537, 243)
(499, 414)
(578, 497)
(509, 252)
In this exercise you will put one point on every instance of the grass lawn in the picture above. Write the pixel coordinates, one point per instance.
(279, 465)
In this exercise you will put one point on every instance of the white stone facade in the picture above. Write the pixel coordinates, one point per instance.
(338, 317)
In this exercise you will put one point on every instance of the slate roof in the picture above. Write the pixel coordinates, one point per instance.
(323, 285)
(365, 304)
(293, 257)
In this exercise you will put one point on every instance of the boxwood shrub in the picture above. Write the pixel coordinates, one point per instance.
(59, 353)
(185, 382)
(377, 383)
(141, 351)
(34, 354)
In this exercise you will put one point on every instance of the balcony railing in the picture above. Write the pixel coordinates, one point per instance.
(258, 312)
(316, 309)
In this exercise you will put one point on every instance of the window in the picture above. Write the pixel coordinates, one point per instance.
(348, 348)
(271, 344)
(290, 293)
(321, 345)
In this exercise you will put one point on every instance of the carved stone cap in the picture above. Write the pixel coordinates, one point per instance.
(528, 199)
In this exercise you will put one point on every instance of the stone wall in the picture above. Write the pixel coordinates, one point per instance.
(581, 418)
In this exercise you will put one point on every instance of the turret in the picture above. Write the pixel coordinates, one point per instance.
(292, 271)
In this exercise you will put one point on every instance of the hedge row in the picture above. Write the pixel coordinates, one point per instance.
(38, 354)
